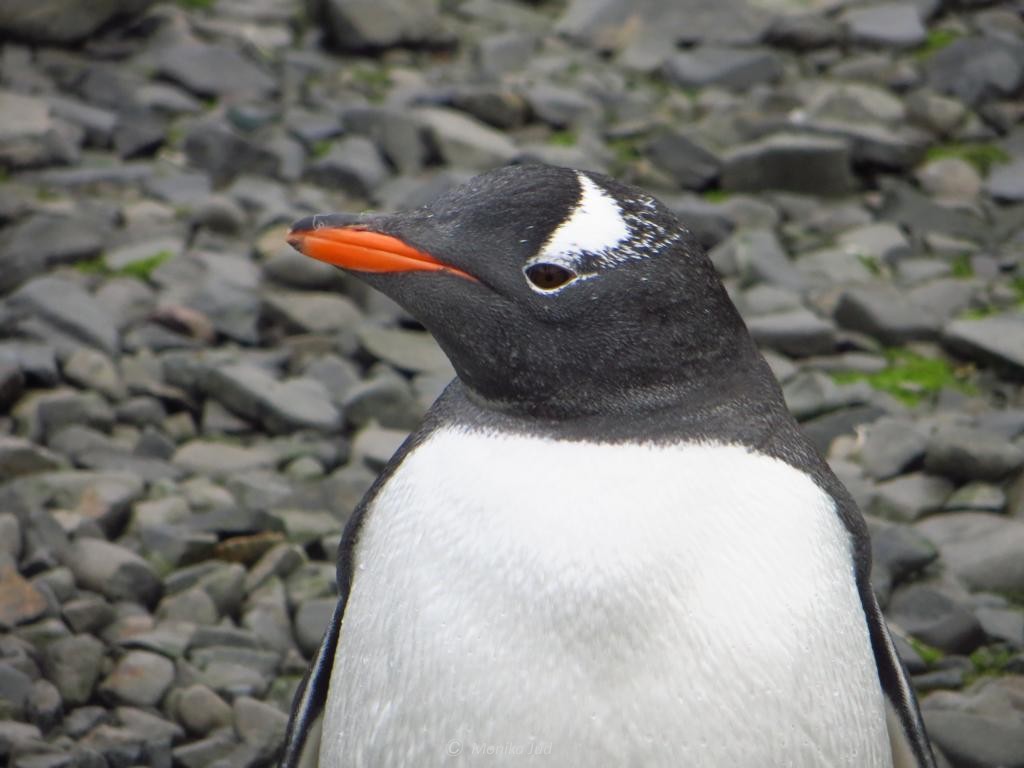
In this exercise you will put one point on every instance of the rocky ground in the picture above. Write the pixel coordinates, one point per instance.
(189, 410)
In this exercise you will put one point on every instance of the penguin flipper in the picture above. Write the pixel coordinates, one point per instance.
(302, 740)
(907, 737)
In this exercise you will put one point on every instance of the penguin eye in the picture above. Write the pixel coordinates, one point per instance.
(548, 277)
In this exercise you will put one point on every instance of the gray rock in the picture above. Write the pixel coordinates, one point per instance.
(998, 340)
(949, 178)
(983, 550)
(398, 135)
(259, 725)
(223, 153)
(214, 71)
(337, 374)
(412, 351)
(352, 165)
(975, 69)
(1004, 625)
(1006, 182)
(59, 304)
(361, 25)
(386, 400)
(690, 164)
(88, 613)
(375, 445)
(12, 384)
(205, 753)
(280, 406)
(44, 705)
(900, 550)
(313, 311)
(769, 163)
(977, 497)
(656, 28)
(15, 689)
(311, 620)
(908, 497)
(29, 136)
(91, 369)
(802, 32)
(35, 361)
(63, 21)
(880, 240)
(23, 457)
(881, 311)
(114, 571)
(21, 602)
(464, 142)
(149, 725)
(139, 678)
(73, 665)
(218, 458)
(736, 68)
(44, 412)
(760, 258)
(798, 333)
(970, 454)
(201, 710)
(933, 616)
(976, 740)
(39, 241)
(10, 537)
(98, 124)
(890, 25)
(277, 562)
(890, 446)
(560, 106)
(504, 52)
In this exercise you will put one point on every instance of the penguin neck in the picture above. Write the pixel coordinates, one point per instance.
(737, 399)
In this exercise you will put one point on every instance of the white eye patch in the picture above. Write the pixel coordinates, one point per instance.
(594, 226)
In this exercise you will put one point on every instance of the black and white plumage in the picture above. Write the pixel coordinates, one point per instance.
(608, 535)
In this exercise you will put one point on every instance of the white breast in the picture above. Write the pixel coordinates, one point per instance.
(589, 605)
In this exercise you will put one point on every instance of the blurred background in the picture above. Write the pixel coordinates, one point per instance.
(189, 410)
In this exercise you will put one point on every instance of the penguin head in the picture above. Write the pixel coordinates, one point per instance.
(553, 292)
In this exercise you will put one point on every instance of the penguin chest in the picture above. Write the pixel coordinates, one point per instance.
(601, 604)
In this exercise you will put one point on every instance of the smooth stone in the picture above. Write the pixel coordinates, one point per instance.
(997, 340)
(768, 164)
(201, 711)
(890, 447)
(983, 550)
(932, 616)
(258, 724)
(68, 308)
(797, 333)
(73, 664)
(464, 142)
(908, 497)
(971, 454)
(114, 571)
(139, 678)
(20, 601)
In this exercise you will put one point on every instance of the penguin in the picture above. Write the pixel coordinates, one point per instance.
(608, 543)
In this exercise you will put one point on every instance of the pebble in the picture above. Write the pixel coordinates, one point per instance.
(983, 550)
(114, 571)
(139, 678)
(73, 665)
(971, 454)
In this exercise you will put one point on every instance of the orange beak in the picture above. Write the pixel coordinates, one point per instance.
(360, 250)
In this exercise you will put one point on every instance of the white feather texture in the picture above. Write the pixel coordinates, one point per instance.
(574, 604)
(595, 225)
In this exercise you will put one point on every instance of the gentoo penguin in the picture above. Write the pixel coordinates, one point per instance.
(608, 544)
